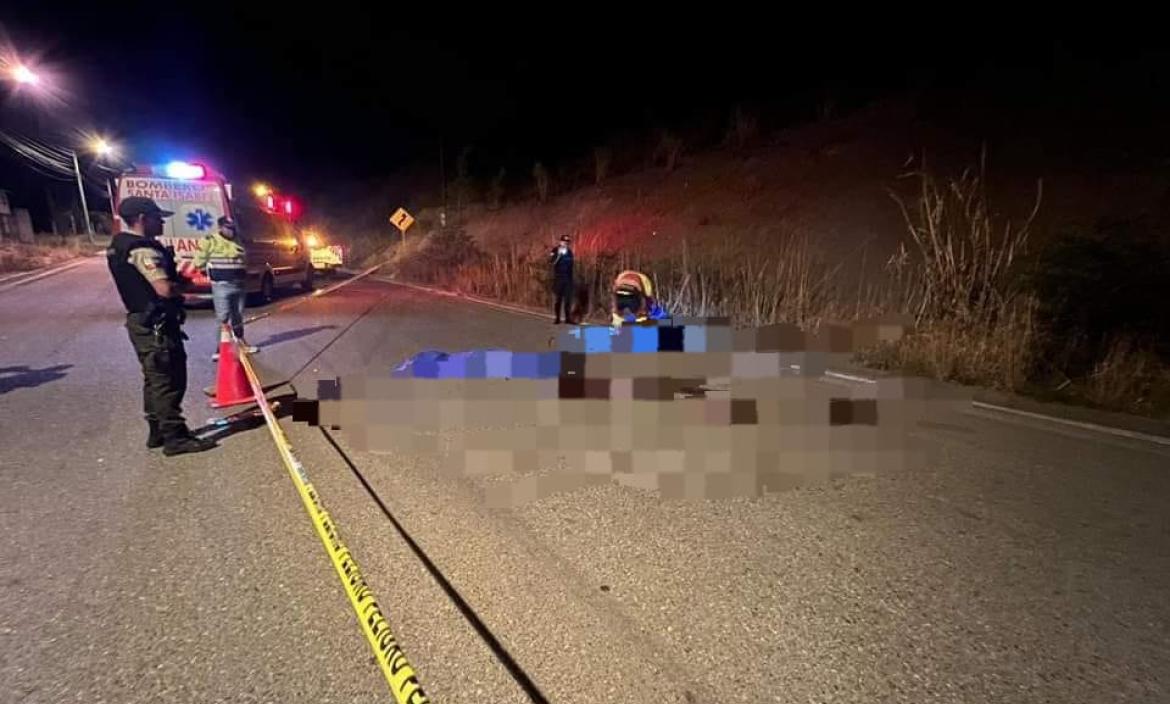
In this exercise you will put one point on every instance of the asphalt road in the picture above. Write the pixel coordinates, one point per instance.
(1022, 563)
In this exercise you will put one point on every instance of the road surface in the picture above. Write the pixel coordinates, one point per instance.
(1023, 563)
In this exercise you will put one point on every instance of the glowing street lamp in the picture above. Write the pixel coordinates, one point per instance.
(261, 190)
(25, 76)
(101, 147)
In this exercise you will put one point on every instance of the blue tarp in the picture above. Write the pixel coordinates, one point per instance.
(480, 364)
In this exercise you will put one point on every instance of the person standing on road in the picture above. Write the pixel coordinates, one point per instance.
(224, 257)
(148, 283)
(561, 258)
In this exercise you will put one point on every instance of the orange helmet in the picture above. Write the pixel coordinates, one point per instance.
(631, 281)
(633, 294)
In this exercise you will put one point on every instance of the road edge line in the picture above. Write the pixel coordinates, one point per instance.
(44, 274)
(317, 293)
(465, 297)
(1084, 425)
(400, 675)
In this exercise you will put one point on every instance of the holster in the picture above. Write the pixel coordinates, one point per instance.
(166, 317)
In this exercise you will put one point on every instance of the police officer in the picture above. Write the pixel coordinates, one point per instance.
(561, 259)
(149, 285)
(224, 257)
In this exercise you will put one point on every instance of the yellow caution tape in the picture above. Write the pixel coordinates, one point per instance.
(399, 674)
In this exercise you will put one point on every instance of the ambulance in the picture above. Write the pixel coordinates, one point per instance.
(278, 257)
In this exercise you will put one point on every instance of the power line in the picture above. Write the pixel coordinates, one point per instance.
(43, 158)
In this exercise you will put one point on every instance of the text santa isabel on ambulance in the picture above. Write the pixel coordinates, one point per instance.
(166, 190)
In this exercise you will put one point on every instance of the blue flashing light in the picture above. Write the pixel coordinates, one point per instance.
(183, 170)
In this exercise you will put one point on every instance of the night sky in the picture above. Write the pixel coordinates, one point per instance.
(313, 98)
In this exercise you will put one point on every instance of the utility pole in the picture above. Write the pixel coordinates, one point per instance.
(113, 215)
(81, 191)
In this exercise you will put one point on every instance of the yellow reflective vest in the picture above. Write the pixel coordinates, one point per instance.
(224, 259)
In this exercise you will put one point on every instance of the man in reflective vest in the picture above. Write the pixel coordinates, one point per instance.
(223, 256)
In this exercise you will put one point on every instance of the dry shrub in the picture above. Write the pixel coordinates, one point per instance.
(1129, 378)
(790, 282)
(958, 267)
(999, 356)
(437, 256)
(957, 278)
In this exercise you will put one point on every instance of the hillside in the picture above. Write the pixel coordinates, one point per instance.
(829, 182)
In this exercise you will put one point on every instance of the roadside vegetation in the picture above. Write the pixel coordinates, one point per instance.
(48, 250)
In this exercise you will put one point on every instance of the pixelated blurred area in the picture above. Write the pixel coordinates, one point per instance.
(690, 409)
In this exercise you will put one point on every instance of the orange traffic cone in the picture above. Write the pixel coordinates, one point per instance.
(231, 383)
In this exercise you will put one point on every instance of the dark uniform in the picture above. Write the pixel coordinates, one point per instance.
(154, 325)
(562, 263)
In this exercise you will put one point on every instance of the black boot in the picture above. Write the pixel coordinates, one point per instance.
(155, 438)
(184, 443)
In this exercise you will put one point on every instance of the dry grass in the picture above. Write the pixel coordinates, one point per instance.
(998, 356)
(48, 251)
(958, 266)
(1129, 378)
(974, 323)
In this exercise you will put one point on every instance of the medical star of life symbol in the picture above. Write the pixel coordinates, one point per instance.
(199, 219)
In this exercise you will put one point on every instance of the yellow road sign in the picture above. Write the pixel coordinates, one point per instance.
(402, 220)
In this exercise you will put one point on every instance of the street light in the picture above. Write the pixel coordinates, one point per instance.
(101, 147)
(24, 75)
(261, 190)
(105, 149)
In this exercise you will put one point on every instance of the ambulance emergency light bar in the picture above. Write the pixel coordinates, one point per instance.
(178, 170)
(183, 170)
